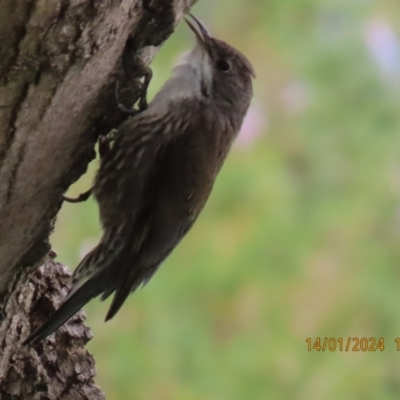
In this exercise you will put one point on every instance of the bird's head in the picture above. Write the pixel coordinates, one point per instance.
(222, 73)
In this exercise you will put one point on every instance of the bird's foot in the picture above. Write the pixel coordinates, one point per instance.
(147, 74)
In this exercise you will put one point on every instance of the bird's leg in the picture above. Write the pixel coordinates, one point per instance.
(104, 143)
(104, 148)
(82, 197)
(124, 109)
(147, 75)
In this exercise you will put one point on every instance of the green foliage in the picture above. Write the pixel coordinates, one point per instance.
(300, 238)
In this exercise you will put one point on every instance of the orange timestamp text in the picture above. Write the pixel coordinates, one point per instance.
(349, 344)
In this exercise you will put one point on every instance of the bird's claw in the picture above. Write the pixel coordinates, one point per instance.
(142, 105)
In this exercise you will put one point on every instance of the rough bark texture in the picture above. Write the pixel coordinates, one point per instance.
(57, 368)
(59, 62)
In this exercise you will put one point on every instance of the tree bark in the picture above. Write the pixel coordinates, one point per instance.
(59, 64)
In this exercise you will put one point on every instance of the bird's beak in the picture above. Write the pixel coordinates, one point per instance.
(202, 35)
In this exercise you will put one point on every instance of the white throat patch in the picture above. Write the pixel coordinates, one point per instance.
(189, 79)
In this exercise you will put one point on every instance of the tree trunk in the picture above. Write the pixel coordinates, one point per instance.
(59, 64)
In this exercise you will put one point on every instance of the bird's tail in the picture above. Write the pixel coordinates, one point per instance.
(91, 278)
(107, 268)
(65, 312)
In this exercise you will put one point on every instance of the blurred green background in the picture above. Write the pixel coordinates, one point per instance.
(301, 236)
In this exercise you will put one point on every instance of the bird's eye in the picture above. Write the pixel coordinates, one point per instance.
(223, 65)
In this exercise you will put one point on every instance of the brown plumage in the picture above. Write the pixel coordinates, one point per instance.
(156, 178)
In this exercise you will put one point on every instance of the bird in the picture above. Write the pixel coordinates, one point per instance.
(156, 177)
